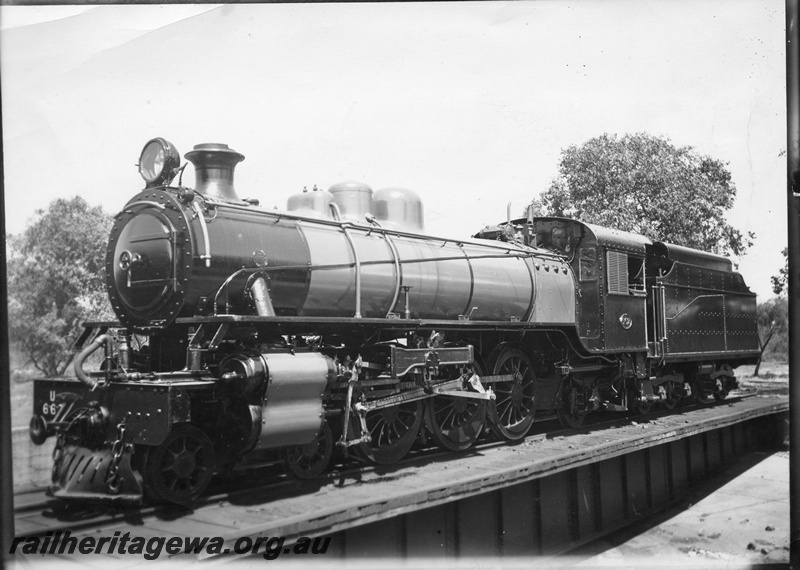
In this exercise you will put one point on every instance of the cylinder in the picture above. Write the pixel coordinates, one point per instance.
(292, 410)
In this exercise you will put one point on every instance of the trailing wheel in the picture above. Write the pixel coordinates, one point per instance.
(310, 460)
(573, 410)
(179, 469)
(512, 412)
(637, 405)
(393, 431)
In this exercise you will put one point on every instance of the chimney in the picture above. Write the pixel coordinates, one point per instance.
(213, 166)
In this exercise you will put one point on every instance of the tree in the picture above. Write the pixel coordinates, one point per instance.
(643, 184)
(773, 324)
(56, 280)
(780, 281)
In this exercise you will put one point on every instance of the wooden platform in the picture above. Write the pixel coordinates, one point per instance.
(542, 496)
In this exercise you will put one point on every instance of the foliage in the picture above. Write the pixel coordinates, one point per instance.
(56, 280)
(643, 184)
(780, 281)
(773, 330)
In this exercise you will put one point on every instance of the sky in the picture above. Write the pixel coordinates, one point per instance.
(468, 104)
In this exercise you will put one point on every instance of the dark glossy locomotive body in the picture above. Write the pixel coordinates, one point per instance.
(338, 326)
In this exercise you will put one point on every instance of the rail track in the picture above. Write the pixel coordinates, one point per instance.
(36, 513)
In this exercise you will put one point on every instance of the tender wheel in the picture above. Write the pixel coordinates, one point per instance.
(512, 412)
(393, 432)
(573, 411)
(700, 391)
(721, 390)
(179, 469)
(310, 460)
(674, 394)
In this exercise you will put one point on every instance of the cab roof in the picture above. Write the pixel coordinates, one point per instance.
(641, 245)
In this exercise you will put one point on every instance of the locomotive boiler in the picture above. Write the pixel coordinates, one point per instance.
(338, 327)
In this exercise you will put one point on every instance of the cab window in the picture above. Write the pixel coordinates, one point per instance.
(636, 275)
(625, 273)
(587, 266)
(559, 239)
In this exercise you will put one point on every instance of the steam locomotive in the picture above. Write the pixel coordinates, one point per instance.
(250, 335)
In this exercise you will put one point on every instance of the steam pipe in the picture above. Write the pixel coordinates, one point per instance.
(261, 297)
(204, 229)
(101, 340)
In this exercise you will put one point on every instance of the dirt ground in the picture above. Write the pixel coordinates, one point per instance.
(740, 519)
(773, 378)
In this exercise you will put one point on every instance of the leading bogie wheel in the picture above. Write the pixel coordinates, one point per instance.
(179, 469)
(310, 460)
(513, 409)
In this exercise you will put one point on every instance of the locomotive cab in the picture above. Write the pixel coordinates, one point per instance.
(609, 269)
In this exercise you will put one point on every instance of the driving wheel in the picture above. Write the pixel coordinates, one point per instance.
(393, 431)
(512, 412)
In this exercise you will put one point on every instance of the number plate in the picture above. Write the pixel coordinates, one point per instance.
(54, 399)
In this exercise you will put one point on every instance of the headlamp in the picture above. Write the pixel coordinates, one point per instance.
(158, 162)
